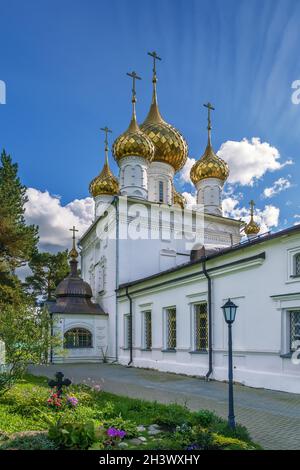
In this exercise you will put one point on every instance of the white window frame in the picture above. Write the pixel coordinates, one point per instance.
(165, 327)
(193, 329)
(144, 345)
(291, 261)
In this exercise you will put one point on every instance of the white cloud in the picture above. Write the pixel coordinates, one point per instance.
(249, 160)
(191, 199)
(55, 220)
(184, 174)
(297, 216)
(280, 185)
(267, 218)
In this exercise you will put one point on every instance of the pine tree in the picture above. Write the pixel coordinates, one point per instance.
(17, 240)
(47, 271)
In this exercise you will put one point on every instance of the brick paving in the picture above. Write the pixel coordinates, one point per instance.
(272, 418)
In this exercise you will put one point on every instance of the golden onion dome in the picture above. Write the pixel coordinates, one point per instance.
(170, 145)
(209, 165)
(133, 142)
(105, 183)
(178, 199)
(252, 228)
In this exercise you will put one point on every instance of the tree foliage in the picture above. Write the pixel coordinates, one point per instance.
(47, 271)
(27, 333)
(18, 241)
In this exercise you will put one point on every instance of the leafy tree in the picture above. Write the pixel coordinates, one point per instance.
(47, 271)
(29, 344)
(17, 240)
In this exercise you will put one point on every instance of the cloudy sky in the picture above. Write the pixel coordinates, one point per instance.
(64, 64)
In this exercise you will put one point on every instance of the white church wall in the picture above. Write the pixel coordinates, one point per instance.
(257, 333)
(97, 325)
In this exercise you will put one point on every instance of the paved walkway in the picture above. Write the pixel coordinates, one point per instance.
(272, 418)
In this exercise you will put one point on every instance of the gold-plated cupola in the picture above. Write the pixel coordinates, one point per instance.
(170, 145)
(133, 142)
(105, 183)
(209, 165)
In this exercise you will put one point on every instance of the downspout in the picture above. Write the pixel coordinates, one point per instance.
(51, 332)
(210, 350)
(130, 325)
(117, 278)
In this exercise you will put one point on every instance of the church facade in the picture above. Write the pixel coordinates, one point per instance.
(158, 271)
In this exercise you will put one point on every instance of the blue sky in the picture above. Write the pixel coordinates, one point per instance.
(65, 62)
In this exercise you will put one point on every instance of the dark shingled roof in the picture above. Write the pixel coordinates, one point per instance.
(73, 295)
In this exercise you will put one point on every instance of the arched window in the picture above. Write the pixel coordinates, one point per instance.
(78, 338)
(161, 191)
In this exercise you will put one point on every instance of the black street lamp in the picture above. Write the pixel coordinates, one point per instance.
(229, 311)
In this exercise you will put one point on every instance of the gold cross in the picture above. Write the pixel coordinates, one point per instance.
(134, 77)
(252, 204)
(73, 230)
(155, 57)
(106, 130)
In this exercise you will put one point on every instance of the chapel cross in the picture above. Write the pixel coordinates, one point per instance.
(252, 204)
(73, 230)
(59, 383)
(134, 77)
(155, 58)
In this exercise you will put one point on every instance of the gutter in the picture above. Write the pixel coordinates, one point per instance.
(210, 349)
(117, 279)
(130, 326)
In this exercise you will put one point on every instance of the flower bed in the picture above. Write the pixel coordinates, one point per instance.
(86, 418)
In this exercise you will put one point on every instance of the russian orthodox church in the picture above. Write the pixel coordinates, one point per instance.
(148, 297)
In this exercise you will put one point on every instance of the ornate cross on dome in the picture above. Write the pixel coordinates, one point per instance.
(210, 108)
(155, 58)
(134, 77)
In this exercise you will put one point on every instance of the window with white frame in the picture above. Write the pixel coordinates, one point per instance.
(171, 328)
(297, 264)
(147, 329)
(127, 331)
(294, 329)
(200, 327)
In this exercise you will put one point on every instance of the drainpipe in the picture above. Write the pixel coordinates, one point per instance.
(130, 324)
(210, 351)
(117, 281)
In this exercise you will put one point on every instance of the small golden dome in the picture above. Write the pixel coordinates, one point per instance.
(252, 228)
(133, 142)
(104, 183)
(170, 146)
(178, 199)
(209, 166)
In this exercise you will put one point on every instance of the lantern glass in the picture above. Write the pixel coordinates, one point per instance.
(229, 311)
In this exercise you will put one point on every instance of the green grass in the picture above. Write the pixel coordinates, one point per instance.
(24, 408)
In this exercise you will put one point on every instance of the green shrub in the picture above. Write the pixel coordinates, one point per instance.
(230, 443)
(73, 435)
(205, 418)
(36, 441)
(125, 424)
(173, 415)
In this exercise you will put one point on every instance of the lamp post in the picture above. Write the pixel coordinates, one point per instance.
(229, 311)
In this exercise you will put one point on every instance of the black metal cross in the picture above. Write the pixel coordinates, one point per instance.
(106, 130)
(155, 58)
(59, 383)
(134, 77)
